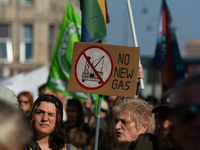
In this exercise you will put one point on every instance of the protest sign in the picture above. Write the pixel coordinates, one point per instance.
(104, 69)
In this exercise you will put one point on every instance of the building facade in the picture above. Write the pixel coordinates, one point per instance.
(28, 33)
(192, 48)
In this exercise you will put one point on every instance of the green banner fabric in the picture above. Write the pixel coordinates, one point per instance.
(70, 32)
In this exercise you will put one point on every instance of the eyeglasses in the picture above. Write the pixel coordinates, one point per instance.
(186, 112)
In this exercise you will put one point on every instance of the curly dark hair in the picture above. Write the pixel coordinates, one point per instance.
(58, 138)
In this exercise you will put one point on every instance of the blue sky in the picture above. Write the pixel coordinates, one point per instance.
(185, 15)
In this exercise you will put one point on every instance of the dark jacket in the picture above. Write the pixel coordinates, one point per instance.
(32, 145)
(144, 142)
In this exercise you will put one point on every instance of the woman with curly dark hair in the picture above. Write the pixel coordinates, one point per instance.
(47, 124)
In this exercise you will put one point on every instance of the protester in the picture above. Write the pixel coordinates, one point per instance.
(108, 132)
(25, 100)
(110, 100)
(135, 124)
(186, 103)
(9, 96)
(108, 139)
(47, 124)
(163, 113)
(76, 122)
(75, 115)
(102, 124)
(140, 76)
(88, 110)
(77, 137)
(14, 128)
(41, 89)
(104, 109)
(62, 98)
(164, 126)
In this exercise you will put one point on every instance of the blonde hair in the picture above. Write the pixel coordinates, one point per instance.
(139, 110)
(14, 128)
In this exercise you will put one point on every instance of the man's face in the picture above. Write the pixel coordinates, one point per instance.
(163, 122)
(126, 128)
(45, 119)
(188, 132)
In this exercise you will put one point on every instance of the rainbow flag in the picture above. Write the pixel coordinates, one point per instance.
(167, 57)
(94, 27)
(94, 20)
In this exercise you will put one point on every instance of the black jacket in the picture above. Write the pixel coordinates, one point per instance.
(32, 145)
(144, 142)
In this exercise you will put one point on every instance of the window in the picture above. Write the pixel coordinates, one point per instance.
(26, 47)
(4, 1)
(27, 2)
(51, 40)
(6, 51)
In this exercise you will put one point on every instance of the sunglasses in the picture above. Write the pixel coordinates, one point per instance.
(186, 112)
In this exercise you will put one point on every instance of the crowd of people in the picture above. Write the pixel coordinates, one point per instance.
(55, 122)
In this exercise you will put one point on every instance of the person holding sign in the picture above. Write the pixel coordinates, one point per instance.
(140, 76)
(135, 124)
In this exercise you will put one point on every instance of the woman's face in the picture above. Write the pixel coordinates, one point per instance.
(72, 114)
(126, 128)
(45, 119)
(24, 104)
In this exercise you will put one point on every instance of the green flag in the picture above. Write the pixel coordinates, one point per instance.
(70, 32)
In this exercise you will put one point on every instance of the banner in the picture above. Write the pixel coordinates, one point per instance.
(70, 32)
(167, 57)
(29, 81)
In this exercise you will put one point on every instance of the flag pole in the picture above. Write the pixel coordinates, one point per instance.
(97, 124)
(134, 36)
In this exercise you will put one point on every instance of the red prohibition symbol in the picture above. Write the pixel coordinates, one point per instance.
(93, 68)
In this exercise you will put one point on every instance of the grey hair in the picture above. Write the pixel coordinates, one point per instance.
(139, 110)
